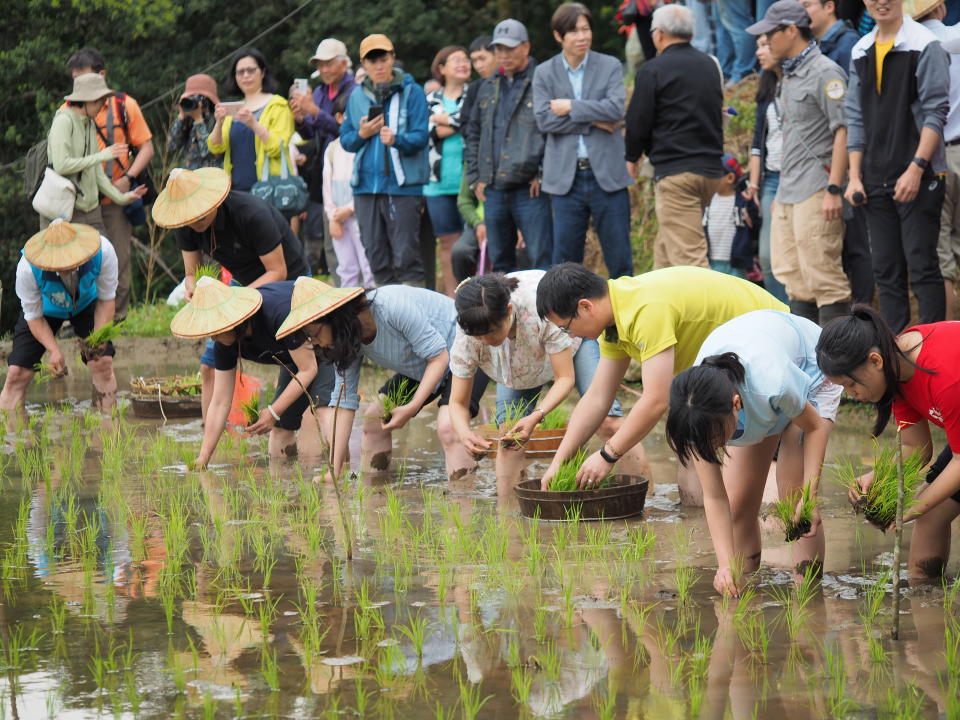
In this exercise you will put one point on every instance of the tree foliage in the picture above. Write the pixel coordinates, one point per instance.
(151, 46)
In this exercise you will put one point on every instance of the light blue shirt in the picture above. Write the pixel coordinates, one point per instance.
(576, 82)
(778, 353)
(414, 325)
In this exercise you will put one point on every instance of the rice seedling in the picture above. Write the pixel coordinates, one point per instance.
(251, 409)
(94, 345)
(470, 700)
(873, 598)
(905, 704)
(555, 419)
(686, 577)
(269, 668)
(513, 413)
(837, 700)
(951, 653)
(565, 479)
(46, 372)
(416, 633)
(879, 503)
(210, 270)
(521, 682)
(876, 652)
(133, 694)
(785, 510)
(398, 394)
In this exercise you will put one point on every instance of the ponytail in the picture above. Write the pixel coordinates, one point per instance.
(846, 343)
(701, 400)
(482, 301)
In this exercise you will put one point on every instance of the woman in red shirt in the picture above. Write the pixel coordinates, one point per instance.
(916, 375)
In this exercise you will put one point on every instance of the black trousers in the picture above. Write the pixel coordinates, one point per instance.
(857, 263)
(903, 242)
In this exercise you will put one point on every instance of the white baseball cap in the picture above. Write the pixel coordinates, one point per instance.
(328, 50)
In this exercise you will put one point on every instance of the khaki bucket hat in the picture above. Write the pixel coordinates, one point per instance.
(214, 308)
(88, 88)
(189, 195)
(311, 300)
(62, 246)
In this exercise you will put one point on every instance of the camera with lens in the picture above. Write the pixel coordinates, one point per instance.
(191, 103)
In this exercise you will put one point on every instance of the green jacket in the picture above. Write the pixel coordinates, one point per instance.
(277, 118)
(72, 151)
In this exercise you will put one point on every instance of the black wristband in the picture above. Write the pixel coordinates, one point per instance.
(609, 458)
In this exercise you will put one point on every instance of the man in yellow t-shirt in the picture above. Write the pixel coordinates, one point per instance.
(659, 319)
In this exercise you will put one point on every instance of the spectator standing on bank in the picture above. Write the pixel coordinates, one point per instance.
(578, 99)
(386, 126)
(193, 123)
(766, 159)
(504, 153)
(807, 239)
(897, 105)
(674, 118)
(119, 122)
(836, 38)
(451, 68)
(485, 64)
(315, 121)
(352, 266)
(258, 130)
(735, 16)
(930, 14)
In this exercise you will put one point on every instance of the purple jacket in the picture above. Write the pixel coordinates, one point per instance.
(323, 124)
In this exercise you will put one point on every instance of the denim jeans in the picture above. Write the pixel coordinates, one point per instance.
(505, 212)
(709, 35)
(768, 191)
(736, 16)
(611, 218)
(585, 362)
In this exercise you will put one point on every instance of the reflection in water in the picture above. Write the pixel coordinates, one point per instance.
(130, 586)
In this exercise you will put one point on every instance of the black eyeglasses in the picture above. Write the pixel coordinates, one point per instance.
(566, 328)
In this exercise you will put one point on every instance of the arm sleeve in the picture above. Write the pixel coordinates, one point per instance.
(136, 123)
(856, 142)
(611, 350)
(327, 192)
(947, 401)
(467, 204)
(471, 138)
(905, 413)
(350, 138)
(933, 86)
(464, 359)
(417, 134)
(554, 340)
(653, 330)
(640, 114)
(185, 239)
(177, 137)
(28, 291)
(280, 127)
(611, 107)
(833, 107)
(792, 398)
(106, 187)
(759, 125)
(109, 271)
(352, 395)
(225, 356)
(60, 149)
(547, 120)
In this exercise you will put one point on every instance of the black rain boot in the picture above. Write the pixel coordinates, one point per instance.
(804, 308)
(833, 311)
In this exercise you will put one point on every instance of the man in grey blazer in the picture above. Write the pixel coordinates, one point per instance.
(579, 102)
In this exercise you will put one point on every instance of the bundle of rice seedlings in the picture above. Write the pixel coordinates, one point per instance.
(785, 509)
(94, 345)
(879, 503)
(211, 270)
(555, 419)
(398, 394)
(566, 478)
(251, 409)
(514, 412)
(45, 372)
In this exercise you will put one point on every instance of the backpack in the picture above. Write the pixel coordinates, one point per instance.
(35, 164)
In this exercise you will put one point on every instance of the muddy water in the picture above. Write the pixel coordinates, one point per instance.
(132, 588)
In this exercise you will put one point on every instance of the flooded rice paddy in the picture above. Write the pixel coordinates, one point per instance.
(133, 588)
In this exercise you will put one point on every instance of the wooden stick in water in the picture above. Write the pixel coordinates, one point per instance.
(898, 539)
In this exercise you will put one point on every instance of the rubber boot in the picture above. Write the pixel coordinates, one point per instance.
(833, 311)
(804, 308)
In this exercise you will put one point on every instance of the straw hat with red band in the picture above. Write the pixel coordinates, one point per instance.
(189, 195)
(312, 299)
(62, 246)
(215, 308)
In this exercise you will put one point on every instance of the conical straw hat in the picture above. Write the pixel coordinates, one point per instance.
(312, 299)
(189, 195)
(214, 308)
(918, 8)
(62, 246)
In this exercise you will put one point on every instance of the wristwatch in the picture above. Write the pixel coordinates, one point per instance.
(922, 162)
(834, 189)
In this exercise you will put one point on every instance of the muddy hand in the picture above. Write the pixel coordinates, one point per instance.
(400, 416)
(263, 425)
(724, 583)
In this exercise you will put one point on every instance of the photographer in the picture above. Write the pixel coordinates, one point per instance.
(194, 121)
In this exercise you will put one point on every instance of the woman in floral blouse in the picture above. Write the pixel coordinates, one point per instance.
(500, 333)
(193, 124)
